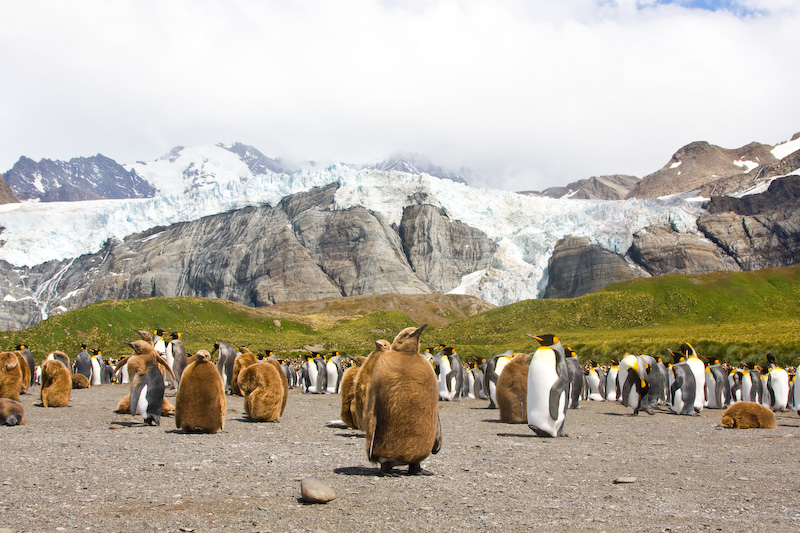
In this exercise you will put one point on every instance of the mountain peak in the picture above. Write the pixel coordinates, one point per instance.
(415, 163)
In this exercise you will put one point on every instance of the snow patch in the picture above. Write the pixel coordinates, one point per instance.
(676, 165)
(786, 148)
(747, 165)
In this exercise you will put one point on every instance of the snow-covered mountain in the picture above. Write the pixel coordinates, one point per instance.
(204, 180)
(80, 178)
(195, 182)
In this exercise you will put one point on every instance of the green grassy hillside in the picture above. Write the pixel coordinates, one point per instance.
(737, 316)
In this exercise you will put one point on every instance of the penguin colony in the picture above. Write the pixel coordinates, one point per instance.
(392, 393)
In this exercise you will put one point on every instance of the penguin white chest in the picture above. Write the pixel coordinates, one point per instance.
(542, 376)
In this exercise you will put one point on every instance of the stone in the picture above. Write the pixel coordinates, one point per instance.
(312, 490)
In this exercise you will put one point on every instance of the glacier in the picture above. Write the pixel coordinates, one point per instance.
(205, 180)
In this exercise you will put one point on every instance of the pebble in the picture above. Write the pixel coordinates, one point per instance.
(312, 490)
(625, 479)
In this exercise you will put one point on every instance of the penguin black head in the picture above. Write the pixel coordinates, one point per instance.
(771, 359)
(546, 339)
(570, 352)
(448, 350)
(175, 335)
(83, 346)
(20, 347)
(687, 350)
(216, 346)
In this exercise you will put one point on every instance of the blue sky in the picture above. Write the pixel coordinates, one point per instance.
(531, 93)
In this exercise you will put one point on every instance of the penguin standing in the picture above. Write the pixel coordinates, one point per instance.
(447, 385)
(227, 357)
(83, 362)
(717, 386)
(333, 369)
(735, 378)
(348, 392)
(200, 403)
(97, 369)
(468, 391)
(595, 382)
(493, 370)
(699, 371)
(178, 351)
(56, 381)
(477, 370)
(548, 379)
(363, 379)
(612, 392)
(630, 382)
(26, 353)
(147, 394)
(683, 388)
(512, 391)
(242, 361)
(10, 376)
(754, 377)
(777, 384)
(650, 373)
(575, 378)
(402, 417)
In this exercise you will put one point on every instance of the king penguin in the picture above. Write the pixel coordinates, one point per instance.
(548, 379)
(683, 388)
(179, 359)
(402, 417)
(699, 371)
(493, 370)
(777, 384)
(227, 357)
(612, 391)
(26, 353)
(575, 378)
(83, 362)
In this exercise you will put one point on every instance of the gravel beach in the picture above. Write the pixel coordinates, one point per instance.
(84, 467)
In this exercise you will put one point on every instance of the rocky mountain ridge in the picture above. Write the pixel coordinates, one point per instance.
(273, 234)
(80, 178)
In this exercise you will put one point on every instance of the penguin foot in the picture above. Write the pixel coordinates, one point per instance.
(650, 411)
(387, 470)
(415, 469)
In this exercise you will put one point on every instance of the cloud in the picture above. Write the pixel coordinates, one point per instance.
(531, 93)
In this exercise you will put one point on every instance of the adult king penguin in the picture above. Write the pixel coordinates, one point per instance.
(683, 388)
(402, 415)
(548, 379)
(777, 385)
(575, 378)
(227, 357)
(493, 370)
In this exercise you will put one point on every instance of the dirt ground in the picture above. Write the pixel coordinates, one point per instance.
(87, 468)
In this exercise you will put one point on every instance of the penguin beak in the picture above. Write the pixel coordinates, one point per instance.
(419, 330)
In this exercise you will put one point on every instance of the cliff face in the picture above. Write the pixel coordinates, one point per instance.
(6, 194)
(748, 233)
(302, 249)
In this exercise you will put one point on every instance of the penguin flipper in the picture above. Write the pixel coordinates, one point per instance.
(450, 375)
(556, 391)
(437, 443)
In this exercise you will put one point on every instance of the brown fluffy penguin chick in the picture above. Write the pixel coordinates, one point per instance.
(242, 361)
(79, 381)
(284, 381)
(347, 389)
(748, 415)
(200, 402)
(138, 365)
(512, 391)
(56, 384)
(11, 412)
(10, 376)
(263, 392)
(402, 414)
(26, 372)
(362, 382)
